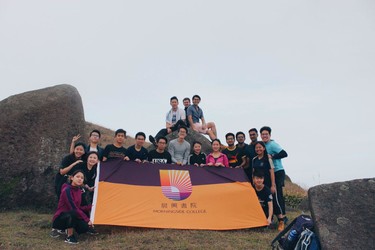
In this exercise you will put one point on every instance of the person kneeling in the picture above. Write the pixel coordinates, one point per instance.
(264, 194)
(70, 215)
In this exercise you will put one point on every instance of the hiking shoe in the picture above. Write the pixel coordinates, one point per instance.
(281, 226)
(54, 233)
(92, 231)
(71, 239)
(152, 140)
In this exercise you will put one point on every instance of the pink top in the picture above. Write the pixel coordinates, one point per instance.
(222, 159)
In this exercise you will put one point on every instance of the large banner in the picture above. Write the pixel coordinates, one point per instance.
(171, 196)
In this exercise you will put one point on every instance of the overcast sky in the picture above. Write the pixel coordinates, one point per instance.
(305, 68)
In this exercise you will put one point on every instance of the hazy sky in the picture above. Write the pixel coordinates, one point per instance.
(305, 68)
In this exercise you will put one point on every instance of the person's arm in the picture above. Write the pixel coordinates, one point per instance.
(247, 162)
(190, 119)
(280, 155)
(64, 171)
(186, 154)
(70, 203)
(272, 174)
(226, 162)
(105, 152)
(189, 159)
(243, 164)
(270, 212)
(74, 140)
(171, 151)
(168, 121)
(209, 160)
(182, 115)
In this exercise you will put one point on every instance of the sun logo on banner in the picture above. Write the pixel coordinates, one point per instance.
(175, 184)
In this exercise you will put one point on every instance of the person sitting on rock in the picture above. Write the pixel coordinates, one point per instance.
(71, 215)
(93, 145)
(197, 158)
(160, 155)
(179, 148)
(116, 150)
(186, 102)
(216, 158)
(174, 119)
(137, 152)
(195, 114)
(236, 156)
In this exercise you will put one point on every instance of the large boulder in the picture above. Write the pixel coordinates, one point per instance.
(36, 129)
(344, 214)
(191, 137)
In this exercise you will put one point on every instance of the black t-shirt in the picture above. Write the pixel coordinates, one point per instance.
(133, 154)
(265, 166)
(234, 156)
(90, 175)
(111, 151)
(249, 151)
(156, 157)
(264, 196)
(199, 159)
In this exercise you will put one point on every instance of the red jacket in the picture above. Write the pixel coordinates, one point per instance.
(70, 200)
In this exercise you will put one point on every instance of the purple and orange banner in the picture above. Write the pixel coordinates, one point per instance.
(172, 196)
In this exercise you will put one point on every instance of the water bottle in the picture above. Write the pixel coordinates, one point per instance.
(292, 235)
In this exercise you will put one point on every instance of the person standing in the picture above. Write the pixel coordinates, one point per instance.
(137, 152)
(235, 155)
(93, 145)
(250, 152)
(216, 158)
(179, 148)
(160, 155)
(116, 150)
(276, 153)
(197, 158)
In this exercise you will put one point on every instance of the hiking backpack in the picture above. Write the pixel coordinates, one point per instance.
(297, 235)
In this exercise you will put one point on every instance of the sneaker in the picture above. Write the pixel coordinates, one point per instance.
(152, 140)
(54, 233)
(281, 226)
(92, 231)
(71, 239)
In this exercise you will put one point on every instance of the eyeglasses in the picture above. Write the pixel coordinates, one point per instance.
(253, 134)
(94, 135)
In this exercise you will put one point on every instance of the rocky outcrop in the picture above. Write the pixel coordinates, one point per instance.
(344, 214)
(36, 129)
(191, 138)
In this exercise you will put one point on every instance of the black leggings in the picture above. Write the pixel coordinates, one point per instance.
(69, 220)
(278, 197)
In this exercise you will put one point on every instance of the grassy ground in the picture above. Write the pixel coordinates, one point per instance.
(30, 230)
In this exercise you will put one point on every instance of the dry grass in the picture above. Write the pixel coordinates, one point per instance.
(30, 230)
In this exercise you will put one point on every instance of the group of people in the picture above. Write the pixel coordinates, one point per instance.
(261, 161)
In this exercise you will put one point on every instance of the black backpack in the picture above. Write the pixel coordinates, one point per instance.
(287, 239)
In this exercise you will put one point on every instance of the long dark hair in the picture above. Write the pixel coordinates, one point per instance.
(265, 153)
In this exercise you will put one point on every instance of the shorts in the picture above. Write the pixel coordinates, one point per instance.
(198, 126)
